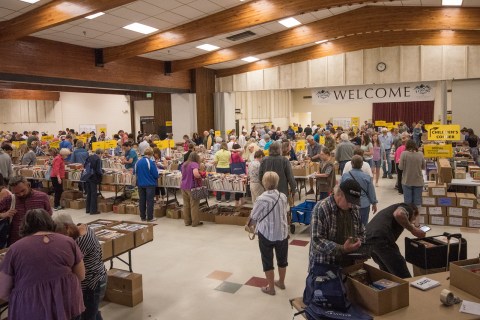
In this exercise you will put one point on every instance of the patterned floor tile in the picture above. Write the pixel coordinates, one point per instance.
(257, 282)
(299, 243)
(219, 275)
(228, 287)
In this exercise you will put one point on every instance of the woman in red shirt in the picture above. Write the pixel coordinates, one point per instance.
(57, 174)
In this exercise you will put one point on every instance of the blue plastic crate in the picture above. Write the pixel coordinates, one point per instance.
(302, 213)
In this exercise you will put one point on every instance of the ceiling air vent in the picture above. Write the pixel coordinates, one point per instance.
(240, 36)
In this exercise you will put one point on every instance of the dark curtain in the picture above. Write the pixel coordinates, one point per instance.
(407, 112)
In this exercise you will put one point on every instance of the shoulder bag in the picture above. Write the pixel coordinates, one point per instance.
(199, 192)
(5, 226)
(252, 224)
(366, 192)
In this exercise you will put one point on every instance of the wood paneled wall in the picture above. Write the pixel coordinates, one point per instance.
(162, 112)
(203, 84)
(29, 95)
(63, 63)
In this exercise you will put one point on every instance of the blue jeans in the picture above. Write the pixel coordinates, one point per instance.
(147, 198)
(387, 164)
(412, 194)
(92, 298)
(364, 215)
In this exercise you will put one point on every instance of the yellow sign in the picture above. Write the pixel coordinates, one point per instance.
(218, 133)
(161, 144)
(300, 146)
(438, 151)
(389, 124)
(82, 139)
(380, 123)
(322, 140)
(18, 143)
(295, 129)
(443, 132)
(104, 130)
(436, 123)
(172, 144)
(55, 144)
(47, 138)
(266, 152)
(355, 122)
(449, 117)
(398, 123)
(110, 144)
(168, 123)
(98, 145)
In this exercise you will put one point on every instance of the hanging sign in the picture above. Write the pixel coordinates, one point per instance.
(380, 123)
(98, 145)
(47, 138)
(437, 151)
(424, 91)
(168, 123)
(54, 144)
(110, 144)
(355, 122)
(443, 132)
(300, 146)
(218, 133)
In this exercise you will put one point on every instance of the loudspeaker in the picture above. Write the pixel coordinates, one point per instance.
(167, 66)
(99, 58)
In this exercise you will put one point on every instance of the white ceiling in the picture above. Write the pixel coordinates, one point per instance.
(107, 30)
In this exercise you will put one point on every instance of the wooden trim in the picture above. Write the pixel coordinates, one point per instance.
(52, 14)
(18, 94)
(239, 17)
(359, 42)
(367, 19)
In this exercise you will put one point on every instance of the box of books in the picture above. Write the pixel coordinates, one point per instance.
(377, 291)
(122, 241)
(143, 232)
(431, 252)
(465, 275)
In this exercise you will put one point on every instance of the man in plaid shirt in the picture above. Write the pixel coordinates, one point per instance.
(336, 226)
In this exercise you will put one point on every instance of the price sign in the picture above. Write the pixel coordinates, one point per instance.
(438, 151)
(300, 145)
(218, 133)
(443, 132)
(18, 143)
(110, 144)
(98, 145)
(47, 138)
(380, 123)
(55, 144)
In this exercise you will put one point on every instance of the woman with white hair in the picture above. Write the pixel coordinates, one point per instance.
(57, 174)
(217, 145)
(95, 282)
(270, 213)
(344, 152)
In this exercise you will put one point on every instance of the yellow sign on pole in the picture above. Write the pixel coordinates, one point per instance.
(300, 146)
(355, 121)
(110, 144)
(218, 133)
(18, 143)
(168, 123)
(443, 132)
(380, 123)
(161, 144)
(55, 144)
(103, 129)
(98, 145)
(438, 151)
(47, 138)
(322, 140)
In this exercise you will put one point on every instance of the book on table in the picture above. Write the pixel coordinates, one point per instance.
(425, 283)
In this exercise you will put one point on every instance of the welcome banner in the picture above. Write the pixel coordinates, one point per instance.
(419, 91)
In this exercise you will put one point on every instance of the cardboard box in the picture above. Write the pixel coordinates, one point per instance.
(78, 204)
(437, 211)
(231, 219)
(428, 200)
(375, 301)
(123, 244)
(142, 236)
(107, 249)
(445, 172)
(131, 209)
(460, 174)
(301, 172)
(422, 219)
(466, 200)
(429, 253)
(121, 208)
(438, 220)
(108, 179)
(422, 210)
(437, 190)
(450, 200)
(457, 221)
(473, 223)
(174, 212)
(456, 212)
(473, 212)
(160, 211)
(72, 195)
(473, 168)
(124, 287)
(64, 203)
(105, 207)
(464, 279)
(125, 298)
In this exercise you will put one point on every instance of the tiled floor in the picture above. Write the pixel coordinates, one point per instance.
(197, 273)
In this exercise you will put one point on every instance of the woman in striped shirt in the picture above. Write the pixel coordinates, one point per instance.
(95, 282)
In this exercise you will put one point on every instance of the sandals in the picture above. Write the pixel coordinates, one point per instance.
(268, 291)
(277, 284)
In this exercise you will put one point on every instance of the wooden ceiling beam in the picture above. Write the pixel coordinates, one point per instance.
(52, 14)
(359, 42)
(366, 19)
(239, 17)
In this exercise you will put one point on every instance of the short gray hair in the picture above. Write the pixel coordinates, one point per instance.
(270, 180)
(275, 149)
(309, 137)
(344, 137)
(99, 151)
(65, 152)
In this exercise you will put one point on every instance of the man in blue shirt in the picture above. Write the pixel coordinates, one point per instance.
(131, 156)
(67, 144)
(386, 140)
(147, 176)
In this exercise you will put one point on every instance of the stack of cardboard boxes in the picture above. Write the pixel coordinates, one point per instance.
(443, 208)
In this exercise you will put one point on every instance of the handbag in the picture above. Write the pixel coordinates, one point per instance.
(199, 192)
(5, 226)
(252, 224)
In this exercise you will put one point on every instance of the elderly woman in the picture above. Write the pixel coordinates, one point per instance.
(256, 187)
(41, 273)
(250, 148)
(57, 174)
(190, 174)
(95, 282)
(279, 164)
(270, 212)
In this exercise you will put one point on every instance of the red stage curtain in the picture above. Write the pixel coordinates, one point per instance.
(407, 112)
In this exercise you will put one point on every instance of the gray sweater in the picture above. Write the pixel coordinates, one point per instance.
(412, 164)
(283, 168)
(5, 165)
(29, 158)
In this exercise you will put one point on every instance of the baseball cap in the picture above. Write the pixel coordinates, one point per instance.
(352, 191)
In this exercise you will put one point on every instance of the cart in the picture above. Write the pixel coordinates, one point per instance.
(301, 214)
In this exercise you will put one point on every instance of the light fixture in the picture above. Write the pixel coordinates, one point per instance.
(208, 47)
(289, 22)
(96, 15)
(141, 28)
(452, 2)
(250, 59)
(30, 1)
(321, 41)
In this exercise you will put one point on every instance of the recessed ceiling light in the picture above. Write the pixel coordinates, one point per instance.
(96, 15)
(289, 22)
(452, 2)
(30, 1)
(208, 47)
(141, 28)
(250, 59)
(321, 41)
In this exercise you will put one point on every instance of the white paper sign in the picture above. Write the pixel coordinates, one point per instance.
(465, 203)
(422, 210)
(474, 213)
(435, 211)
(437, 220)
(455, 221)
(439, 191)
(474, 223)
(428, 201)
(470, 307)
(453, 211)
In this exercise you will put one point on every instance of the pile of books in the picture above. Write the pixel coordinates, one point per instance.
(130, 226)
(227, 182)
(105, 234)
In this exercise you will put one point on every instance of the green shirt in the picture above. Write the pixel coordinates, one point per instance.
(222, 158)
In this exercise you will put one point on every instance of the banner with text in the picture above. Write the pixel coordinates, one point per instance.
(419, 91)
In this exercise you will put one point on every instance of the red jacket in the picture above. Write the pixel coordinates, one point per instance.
(58, 167)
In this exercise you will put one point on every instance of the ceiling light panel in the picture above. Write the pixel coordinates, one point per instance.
(30, 1)
(96, 15)
(141, 28)
(290, 22)
(207, 47)
(452, 2)
(250, 59)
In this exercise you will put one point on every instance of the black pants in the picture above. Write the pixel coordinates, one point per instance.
(91, 187)
(58, 189)
(399, 178)
(388, 257)
(266, 251)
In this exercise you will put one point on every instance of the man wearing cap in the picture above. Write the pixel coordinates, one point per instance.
(336, 226)
(383, 231)
(386, 140)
